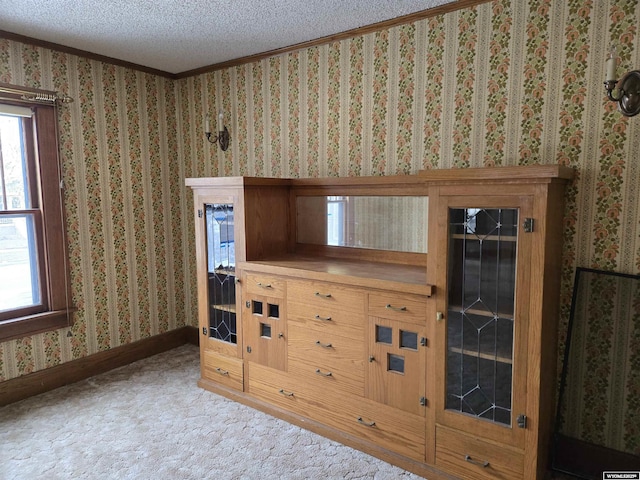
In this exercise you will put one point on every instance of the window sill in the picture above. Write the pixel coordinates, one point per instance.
(37, 323)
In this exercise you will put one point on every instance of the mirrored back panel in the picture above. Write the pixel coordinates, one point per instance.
(394, 223)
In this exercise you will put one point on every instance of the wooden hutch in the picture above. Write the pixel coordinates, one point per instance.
(411, 317)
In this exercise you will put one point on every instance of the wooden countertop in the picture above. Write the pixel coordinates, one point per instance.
(362, 273)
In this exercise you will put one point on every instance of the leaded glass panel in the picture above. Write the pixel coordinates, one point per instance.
(221, 263)
(481, 297)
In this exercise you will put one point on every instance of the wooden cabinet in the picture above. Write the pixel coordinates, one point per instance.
(396, 351)
(264, 320)
(431, 360)
(496, 261)
(223, 239)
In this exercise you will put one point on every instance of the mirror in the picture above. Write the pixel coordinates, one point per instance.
(396, 223)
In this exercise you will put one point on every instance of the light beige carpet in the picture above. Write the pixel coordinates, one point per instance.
(149, 420)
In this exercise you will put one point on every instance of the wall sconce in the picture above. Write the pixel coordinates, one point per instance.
(223, 134)
(625, 91)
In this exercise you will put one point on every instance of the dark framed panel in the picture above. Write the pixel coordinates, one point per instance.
(597, 426)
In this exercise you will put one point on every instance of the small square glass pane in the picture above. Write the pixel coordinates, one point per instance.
(257, 308)
(265, 330)
(274, 310)
(384, 334)
(395, 363)
(408, 340)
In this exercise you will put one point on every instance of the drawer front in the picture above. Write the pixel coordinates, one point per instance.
(273, 386)
(334, 378)
(326, 319)
(331, 352)
(471, 458)
(327, 295)
(409, 308)
(267, 285)
(221, 369)
(389, 428)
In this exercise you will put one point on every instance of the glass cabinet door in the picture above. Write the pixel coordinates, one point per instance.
(221, 272)
(485, 377)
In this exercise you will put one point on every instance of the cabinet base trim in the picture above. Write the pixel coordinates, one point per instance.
(418, 468)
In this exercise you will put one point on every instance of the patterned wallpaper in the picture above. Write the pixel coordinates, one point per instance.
(123, 209)
(508, 82)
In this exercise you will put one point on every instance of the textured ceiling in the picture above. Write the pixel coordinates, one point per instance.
(181, 35)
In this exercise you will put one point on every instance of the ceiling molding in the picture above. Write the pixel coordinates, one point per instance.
(83, 53)
(412, 17)
(356, 32)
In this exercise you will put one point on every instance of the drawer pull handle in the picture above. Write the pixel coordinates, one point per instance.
(484, 464)
(221, 371)
(323, 295)
(397, 309)
(323, 345)
(264, 285)
(324, 319)
(285, 393)
(366, 424)
(320, 372)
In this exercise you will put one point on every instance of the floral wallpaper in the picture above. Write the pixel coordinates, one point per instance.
(123, 186)
(507, 82)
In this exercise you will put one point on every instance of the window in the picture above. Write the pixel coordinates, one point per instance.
(34, 280)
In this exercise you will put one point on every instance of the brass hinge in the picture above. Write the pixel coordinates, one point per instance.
(528, 225)
(204, 330)
(423, 401)
(522, 421)
(423, 341)
(199, 213)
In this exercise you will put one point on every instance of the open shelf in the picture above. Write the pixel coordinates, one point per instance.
(356, 272)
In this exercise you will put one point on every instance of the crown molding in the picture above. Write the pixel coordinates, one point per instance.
(412, 17)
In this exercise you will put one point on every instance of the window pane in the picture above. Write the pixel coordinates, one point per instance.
(13, 176)
(19, 281)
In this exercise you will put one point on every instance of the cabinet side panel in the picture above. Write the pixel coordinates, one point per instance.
(549, 208)
(266, 221)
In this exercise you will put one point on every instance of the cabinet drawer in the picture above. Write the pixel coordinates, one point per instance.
(267, 285)
(335, 378)
(387, 427)
(273, 386)
(327, 295)
(472, 458)
(327, 319)
(327, 351)
(222, 369)
(409, 308)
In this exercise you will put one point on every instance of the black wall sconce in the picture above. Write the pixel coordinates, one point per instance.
(223, 134)
(625, 91)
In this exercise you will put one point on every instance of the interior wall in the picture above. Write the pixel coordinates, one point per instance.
(122, 190)
(509, 82)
